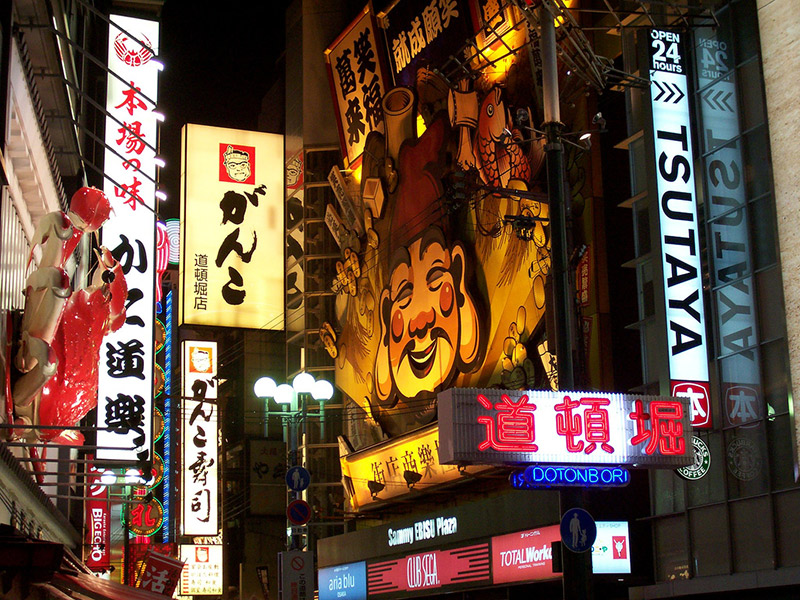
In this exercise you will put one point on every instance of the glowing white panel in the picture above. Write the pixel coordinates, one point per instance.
(125, 393)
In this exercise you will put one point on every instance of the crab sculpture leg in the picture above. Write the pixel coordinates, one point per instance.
(48, 298)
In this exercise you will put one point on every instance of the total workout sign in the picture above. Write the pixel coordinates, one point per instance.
(677, 209)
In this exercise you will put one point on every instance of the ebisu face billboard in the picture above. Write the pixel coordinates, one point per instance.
(490, 426)
(343, 582)
(232, 236)
(679, 232)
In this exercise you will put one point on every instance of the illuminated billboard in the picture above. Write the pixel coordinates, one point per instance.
(199, 427)
(358, 81)
(348, 582)
(524, 555)
(397, 468)
(202, 570)
(125, 387)
(429, 570)
(680, 236)
(232, 229)
(480, 426)
(611, 548)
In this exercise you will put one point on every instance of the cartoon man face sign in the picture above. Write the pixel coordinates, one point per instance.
(201, 360)
(429, 324)
(237, 164)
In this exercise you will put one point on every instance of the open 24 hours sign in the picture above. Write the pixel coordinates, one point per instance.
(677, 215)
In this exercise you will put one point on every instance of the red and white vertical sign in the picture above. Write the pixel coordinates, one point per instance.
(98, 522)
(125, 392)
(199, 427)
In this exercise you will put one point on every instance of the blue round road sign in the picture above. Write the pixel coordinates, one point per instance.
(298, 512)
(298, 478)
(578, 530)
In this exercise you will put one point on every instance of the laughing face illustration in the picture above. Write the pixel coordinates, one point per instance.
(429, 324)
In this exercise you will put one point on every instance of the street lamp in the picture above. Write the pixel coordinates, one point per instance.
(293, 397)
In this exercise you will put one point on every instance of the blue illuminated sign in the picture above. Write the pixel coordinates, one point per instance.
(168, 420)
(537, 476)
(343, 582)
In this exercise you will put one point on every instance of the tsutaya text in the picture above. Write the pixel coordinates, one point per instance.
(486, 426)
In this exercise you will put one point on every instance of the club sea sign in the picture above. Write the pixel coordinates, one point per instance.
(490, 426)
(680, 241)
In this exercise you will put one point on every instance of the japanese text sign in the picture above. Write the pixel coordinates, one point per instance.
(379, 474)
(425, 32)
(98, 522)
(355, 70)
(232, 236)
(200, 457)
(680, 237)
(125, 387)
(489, 426)
(202, 571)
(160, 574)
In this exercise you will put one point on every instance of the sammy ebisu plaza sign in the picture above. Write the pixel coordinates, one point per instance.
(489, 426)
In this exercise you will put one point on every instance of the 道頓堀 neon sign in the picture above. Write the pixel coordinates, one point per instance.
(508, 426)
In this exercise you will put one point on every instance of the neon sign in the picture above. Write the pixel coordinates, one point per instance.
(544, 476)
(544, 427)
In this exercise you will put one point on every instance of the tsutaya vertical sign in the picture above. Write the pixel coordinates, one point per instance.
(730, 249)
(200, 456)
(125, 391)
(680, 241)
(232, 234)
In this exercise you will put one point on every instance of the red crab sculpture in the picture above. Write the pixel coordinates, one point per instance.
(62, 330)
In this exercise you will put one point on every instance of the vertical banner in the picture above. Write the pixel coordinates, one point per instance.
(199, 427)
(680, 237)
(125, 390)
(295, 244)
(232, 233)
(97, 522)
(296, 572)
(202, 571)
(358, 82)
(730, 249)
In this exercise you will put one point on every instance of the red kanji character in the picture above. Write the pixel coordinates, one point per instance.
(514, 427)
(131, 134)
(569, 424)
(130, 193)
(666, 432)
(596, 424)
(131, 102)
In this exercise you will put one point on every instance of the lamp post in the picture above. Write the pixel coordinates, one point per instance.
(292, 399)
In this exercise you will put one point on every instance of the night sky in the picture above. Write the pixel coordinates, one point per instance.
(219, 64)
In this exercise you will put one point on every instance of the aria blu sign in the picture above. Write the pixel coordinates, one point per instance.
(343, 582)
(536, 476)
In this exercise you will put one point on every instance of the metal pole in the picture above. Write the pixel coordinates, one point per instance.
(554, 151)
(577, 568)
